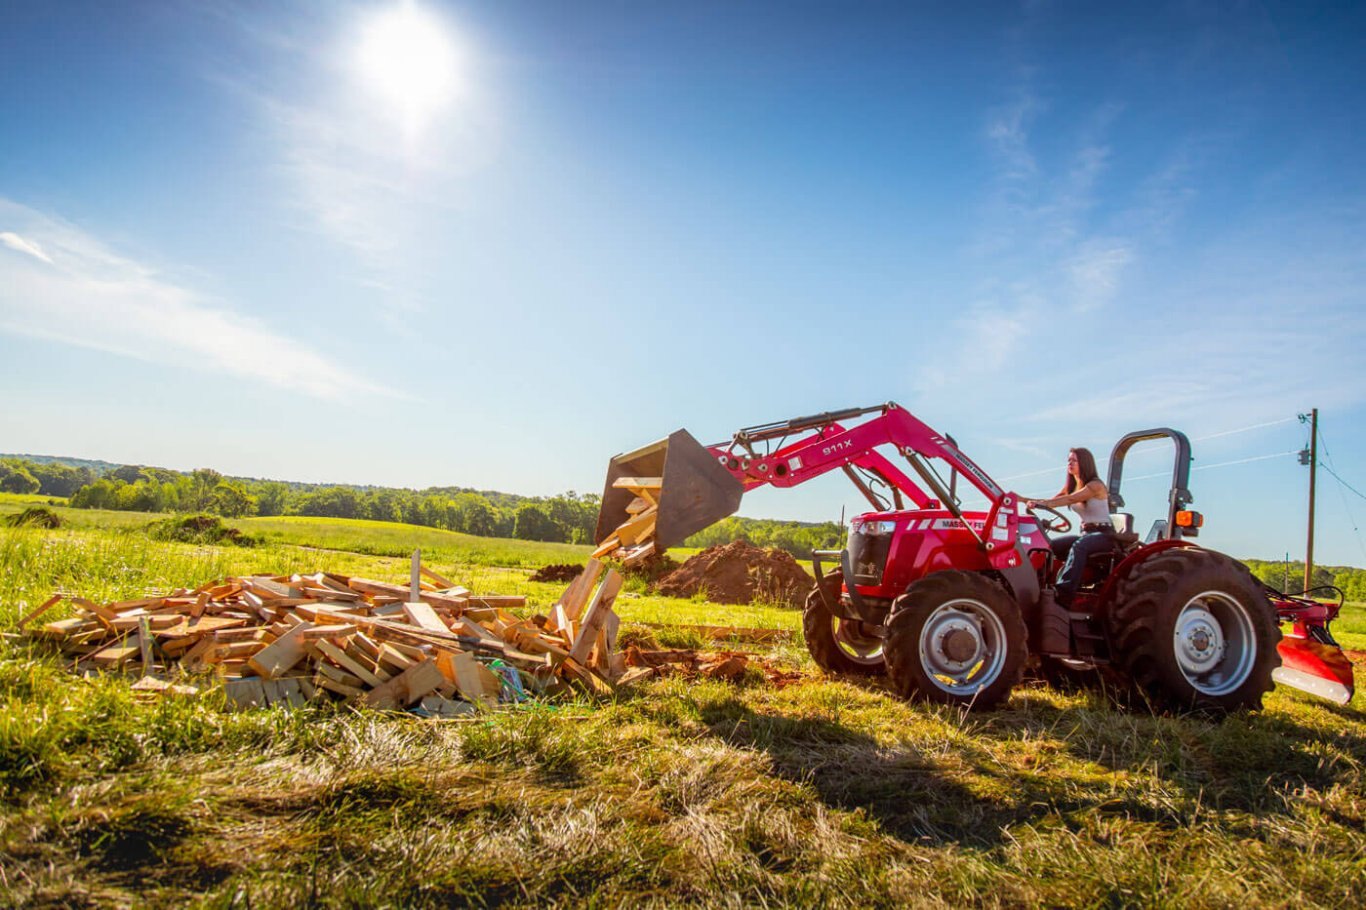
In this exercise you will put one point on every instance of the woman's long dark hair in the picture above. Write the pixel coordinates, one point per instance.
(1086, 467)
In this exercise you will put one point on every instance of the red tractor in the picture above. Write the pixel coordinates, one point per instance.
(946, 602)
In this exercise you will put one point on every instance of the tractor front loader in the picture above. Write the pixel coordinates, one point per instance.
(946, 602)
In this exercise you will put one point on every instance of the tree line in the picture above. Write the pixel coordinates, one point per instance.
(568, 518)
(1288, 577)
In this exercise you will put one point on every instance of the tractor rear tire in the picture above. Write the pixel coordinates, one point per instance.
(956, 638)
(840, 645)
(1193, 631)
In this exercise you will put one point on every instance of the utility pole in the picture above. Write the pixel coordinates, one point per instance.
(1313, 463)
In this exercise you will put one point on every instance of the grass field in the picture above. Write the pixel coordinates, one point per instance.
(826, 792)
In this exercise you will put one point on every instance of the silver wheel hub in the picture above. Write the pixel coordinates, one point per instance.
(962, 646)
(858, 641)
(1214, 643)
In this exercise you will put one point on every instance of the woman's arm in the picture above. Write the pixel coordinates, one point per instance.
(1092, 490)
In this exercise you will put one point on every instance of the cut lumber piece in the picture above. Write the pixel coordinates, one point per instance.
(463, 670)
(580, 589)
(606, 547)
(347, 663)
(638, 483)
(290, 691)
(145, 643)
(338, 675)
(638, 555)
(423, 616)
(116, 655)
(404, 593)
(244, 693)
(47, 605)
(595, 616)
(282, 654)
(637, 528)
(350, 693)
(441, 582)
(497, 601)
(392, 657)
(406, 688)
(638, 505)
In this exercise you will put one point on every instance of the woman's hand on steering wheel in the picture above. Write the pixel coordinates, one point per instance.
(1061, 523)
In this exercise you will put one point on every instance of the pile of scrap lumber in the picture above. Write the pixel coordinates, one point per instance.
(290, 639)
(633, 540)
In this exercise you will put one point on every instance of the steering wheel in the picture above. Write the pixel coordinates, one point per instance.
(1060, 524)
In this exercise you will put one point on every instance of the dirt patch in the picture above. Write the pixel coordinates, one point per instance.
(557, 572)
(739, 573)
(732, 666)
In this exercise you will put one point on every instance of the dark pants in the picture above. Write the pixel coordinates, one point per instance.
(1077, 550)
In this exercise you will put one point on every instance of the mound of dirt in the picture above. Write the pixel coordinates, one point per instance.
(557, 572)
(739, 573)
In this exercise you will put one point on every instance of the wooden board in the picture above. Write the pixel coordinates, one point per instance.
(406, 688)
(283, 654)
(595, 616)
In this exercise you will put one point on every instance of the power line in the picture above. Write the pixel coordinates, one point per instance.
(1154, 451)
(1343, 486)
(1221, 464)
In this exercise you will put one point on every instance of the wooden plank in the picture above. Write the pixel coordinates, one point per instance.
(291, 692)
(145, 643)
(348, 692)
(580, 589)
(116, 654)
(638, 555)
(638, 483)
(244, 693)
(390, 655)
(441, 582)
(463, 670)
(498, 601)
(341, 659)
(606, 547)
(406, 688)
(638, 505)
(338, 675)
(423, 616)
(383, 588)
(595, 616)
(47, 605)
(637, 528)
(282, 654)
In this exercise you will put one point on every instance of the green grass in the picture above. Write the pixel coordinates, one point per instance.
(830, 792)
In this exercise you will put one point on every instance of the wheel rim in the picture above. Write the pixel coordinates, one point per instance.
(856, 641)
(1214, 642)
(962, 646)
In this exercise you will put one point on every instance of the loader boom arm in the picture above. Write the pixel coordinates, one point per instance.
(702, 485)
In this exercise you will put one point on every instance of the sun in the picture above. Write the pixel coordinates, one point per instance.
(407, 60)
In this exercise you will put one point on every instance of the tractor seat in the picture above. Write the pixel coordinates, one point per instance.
(1124, 529)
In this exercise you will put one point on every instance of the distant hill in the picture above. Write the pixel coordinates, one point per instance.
(103, 467)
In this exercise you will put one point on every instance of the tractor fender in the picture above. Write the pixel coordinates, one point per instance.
(1122, 571)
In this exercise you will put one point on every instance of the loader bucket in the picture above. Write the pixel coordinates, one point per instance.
(696, 492)
(1316, 668)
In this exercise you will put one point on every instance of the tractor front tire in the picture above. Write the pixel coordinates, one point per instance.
(840, 645)
(1193, 631)
(956, 638)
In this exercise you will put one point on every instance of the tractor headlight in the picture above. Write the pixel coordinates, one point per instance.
(876, 528)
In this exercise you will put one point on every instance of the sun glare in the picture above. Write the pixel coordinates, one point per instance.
(407, 59)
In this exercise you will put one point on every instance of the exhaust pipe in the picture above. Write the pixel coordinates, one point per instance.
(696, 491)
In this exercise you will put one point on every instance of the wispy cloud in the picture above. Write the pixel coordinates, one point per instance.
(15, 242)
(71, 288)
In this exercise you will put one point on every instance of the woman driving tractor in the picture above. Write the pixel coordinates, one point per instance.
(1087, 496)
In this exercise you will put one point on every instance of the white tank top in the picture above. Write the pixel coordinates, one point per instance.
(1093, 511)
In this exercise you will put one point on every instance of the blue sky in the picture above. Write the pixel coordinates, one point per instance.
(257, 237)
